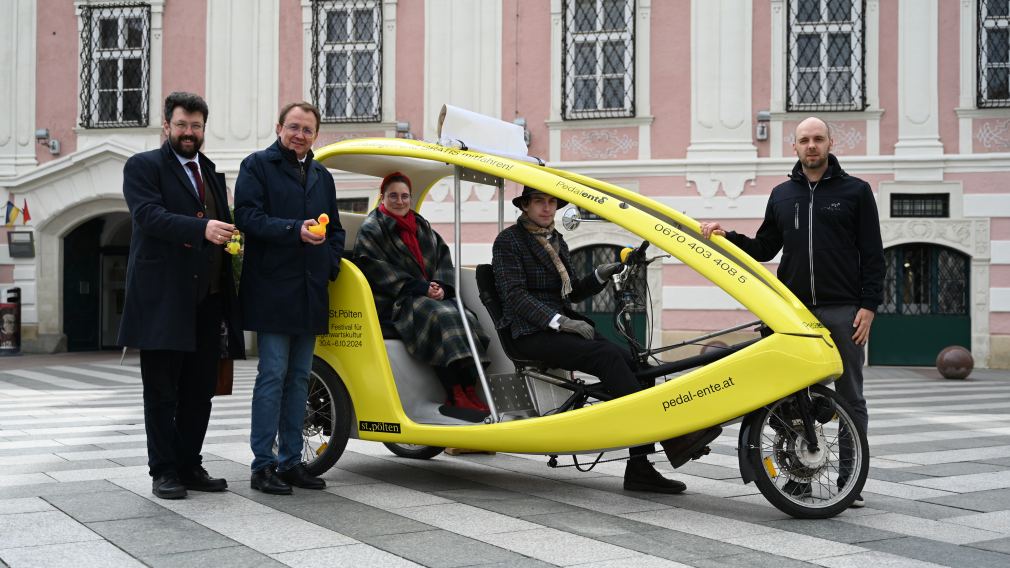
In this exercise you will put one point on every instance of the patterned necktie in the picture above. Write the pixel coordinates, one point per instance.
(199, 180)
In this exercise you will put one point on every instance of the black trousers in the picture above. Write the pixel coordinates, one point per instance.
(597, 356)
(178, 386)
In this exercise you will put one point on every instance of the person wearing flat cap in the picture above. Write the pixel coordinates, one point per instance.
(534, 279)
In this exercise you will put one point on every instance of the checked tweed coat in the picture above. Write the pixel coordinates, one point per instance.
(530, 287)
(431, 330)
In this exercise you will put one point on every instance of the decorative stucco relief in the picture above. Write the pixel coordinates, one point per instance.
(994, 134)
(982, 239)
(599, 144)
(845, 136)
(331, 137)
(968, 236)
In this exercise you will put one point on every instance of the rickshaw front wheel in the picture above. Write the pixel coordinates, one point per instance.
(327, 424)
(804, 480)
(414, 451)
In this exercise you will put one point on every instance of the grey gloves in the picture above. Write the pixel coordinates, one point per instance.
(578, 327)
(605, 271)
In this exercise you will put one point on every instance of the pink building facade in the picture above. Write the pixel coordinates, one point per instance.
(691, 102)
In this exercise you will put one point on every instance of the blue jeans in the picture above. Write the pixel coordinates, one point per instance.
(278, 402)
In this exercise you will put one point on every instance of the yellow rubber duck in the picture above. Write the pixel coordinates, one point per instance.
(320, 229)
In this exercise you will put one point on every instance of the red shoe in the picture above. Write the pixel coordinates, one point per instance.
(471, 393)
(461, 400)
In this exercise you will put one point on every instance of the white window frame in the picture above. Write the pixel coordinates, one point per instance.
(351, 48)
(121, 52)
(573, 38)
(855, 28)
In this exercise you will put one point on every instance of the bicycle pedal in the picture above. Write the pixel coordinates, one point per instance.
(701, 453)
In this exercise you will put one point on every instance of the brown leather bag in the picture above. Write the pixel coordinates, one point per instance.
(225, 376)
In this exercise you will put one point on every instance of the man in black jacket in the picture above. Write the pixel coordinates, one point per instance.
(825, 223)
(179, 293)
(534, 279)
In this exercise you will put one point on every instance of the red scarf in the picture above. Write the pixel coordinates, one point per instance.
(406, 226)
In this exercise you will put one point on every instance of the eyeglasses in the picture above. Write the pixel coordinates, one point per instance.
(398, 196)
(295, 129)
(184, 126)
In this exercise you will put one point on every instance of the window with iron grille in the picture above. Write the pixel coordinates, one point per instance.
(598, 58)
(347, 59)
(993, 53)
(826, 55)
(920, 205)
(115, 65)
(922, 279)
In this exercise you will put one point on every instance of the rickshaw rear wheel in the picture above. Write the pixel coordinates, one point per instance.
(327, 424)
(414, 451)
(797, 480)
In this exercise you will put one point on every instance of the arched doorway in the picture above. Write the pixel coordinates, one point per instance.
(600, 308)
(926, 305)
(94, 281)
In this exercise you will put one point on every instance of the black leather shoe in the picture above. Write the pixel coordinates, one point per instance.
(640, 475)
(683, 449)
(266, 480)
(197, 479)
(300, 477)
(800, 489)
(168, 486)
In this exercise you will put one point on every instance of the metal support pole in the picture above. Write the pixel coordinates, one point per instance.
(456, 269)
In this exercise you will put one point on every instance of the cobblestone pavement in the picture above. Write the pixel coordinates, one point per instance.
(74, 491)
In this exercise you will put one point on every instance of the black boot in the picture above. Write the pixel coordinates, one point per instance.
(168, 486)
(266, 480)
(640, 475)
(298, 476)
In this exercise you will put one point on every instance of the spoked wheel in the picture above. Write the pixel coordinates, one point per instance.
(797, 478)
(327, 419)
(414, 451)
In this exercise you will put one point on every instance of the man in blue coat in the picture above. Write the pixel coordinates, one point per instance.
(180, 294)
(284, 290)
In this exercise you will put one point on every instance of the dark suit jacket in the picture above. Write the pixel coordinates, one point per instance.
(530, 286)
(285, 282)
(169, 257)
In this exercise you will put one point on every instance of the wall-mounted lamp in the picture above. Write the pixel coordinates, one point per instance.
(526, 133)
(42, 138)
(403, 130)
(761, 129)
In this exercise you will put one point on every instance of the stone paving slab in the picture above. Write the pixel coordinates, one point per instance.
(560, 548)
(440, 549)
(942, 553)
(162, 535)
(673, 545)
(230, 557)
(40, 528)
(949, 531)
(105, 506)
(92, 554)
(983, 501)
(351, 556)
(73, 456)
(749, 560)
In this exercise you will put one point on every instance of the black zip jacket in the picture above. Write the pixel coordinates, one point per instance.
(829, 234)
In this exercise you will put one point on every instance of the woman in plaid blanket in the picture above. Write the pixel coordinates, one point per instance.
(409, 268)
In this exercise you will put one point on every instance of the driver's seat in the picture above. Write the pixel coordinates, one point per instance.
(489, 297)
(528, 368)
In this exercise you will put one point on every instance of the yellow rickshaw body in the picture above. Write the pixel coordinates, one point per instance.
(799, 353)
